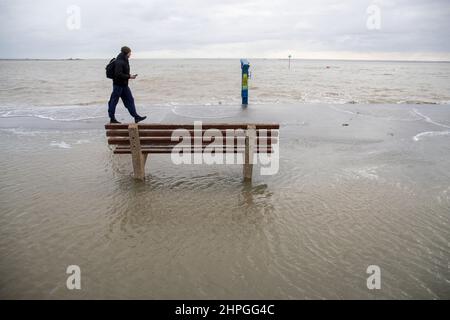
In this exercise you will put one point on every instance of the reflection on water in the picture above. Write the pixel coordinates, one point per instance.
(168, 203)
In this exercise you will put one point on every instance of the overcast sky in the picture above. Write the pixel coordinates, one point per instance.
(336, 29)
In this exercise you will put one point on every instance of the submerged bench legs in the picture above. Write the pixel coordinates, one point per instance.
(250, 138)
(138, 158)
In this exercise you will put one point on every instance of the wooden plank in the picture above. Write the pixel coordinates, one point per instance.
(258, 148)
(136, 154)
(168, 141)
(191, 126)
(191, 150)
(249, 150)
(168, 133)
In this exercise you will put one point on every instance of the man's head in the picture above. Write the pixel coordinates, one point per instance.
(126, 51)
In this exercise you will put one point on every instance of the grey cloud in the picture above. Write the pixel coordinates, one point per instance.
(37, 29)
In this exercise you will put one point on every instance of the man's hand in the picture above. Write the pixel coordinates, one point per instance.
(133, 76)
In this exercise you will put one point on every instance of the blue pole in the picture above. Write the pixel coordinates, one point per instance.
(245, 65)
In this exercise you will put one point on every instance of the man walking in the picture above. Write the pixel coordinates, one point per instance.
(120, 87)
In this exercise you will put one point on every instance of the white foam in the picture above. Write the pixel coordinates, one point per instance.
(421, 135)
(373, 116)
(82, 141)
(342, 110)
(54, 113)
(363, 173)
(369, 173)
(61, 145)
(21, 132)
(428, 119)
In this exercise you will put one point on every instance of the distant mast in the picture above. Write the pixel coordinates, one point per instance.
(289, 56)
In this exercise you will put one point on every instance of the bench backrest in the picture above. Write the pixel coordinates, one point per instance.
(159, 138)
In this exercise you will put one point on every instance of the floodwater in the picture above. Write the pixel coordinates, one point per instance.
(373, 192)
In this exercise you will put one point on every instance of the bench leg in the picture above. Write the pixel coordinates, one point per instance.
(250, 138)
(137, 157)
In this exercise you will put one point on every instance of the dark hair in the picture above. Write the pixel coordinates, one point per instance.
(125, 50)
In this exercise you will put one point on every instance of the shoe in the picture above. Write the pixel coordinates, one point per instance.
(139, 119)
(114, 121)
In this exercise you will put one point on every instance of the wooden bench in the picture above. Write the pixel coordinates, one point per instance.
(141, 139)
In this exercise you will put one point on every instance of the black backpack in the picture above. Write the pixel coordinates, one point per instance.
(110, 68)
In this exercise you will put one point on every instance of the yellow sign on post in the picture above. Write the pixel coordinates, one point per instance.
(245, 81)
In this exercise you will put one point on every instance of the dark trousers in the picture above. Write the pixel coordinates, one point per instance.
(124, 93)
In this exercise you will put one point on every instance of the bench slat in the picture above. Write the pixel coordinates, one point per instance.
(192, 150)
(168, 133)
(168, 141)
(191, 126)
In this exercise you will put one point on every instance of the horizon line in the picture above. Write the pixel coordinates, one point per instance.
(221, 58)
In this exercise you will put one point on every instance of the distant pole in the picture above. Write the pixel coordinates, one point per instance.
(289, 61)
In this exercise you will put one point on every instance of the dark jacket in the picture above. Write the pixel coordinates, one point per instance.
(121, 70)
